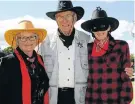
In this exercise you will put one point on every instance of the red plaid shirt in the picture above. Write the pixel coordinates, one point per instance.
(107, 80)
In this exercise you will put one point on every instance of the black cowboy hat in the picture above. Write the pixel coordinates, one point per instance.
(66, 5)
(100, 16)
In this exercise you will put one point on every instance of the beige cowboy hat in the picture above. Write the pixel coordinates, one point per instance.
(25, 25)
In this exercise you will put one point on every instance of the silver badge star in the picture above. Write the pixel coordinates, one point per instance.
(62, 4)
(98, 8)
(80, 45)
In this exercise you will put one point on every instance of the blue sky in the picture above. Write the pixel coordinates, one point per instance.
(12, 11)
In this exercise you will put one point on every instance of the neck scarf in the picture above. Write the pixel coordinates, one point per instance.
(100, 47)
(100, 44)
(67, 40)
(26, 82)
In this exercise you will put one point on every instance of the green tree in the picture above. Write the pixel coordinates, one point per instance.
(132, 56)
(8, 50)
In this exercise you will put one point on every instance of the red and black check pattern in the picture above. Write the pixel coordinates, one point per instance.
(107, 80)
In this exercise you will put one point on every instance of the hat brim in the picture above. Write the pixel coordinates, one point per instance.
(114, 23)
(78, 10)
(10, 35)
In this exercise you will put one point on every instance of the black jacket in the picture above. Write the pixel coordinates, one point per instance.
(2, 54)
(11, 80)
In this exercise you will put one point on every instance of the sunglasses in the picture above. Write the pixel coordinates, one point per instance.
(99, 27)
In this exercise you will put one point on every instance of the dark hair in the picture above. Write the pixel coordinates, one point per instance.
(109, 34)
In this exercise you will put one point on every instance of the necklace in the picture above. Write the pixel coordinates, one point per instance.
(31, 60)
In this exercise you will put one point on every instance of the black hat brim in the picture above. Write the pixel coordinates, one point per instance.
(87, 25)
(78, 10)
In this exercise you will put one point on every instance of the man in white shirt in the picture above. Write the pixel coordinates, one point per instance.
(65, 56)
